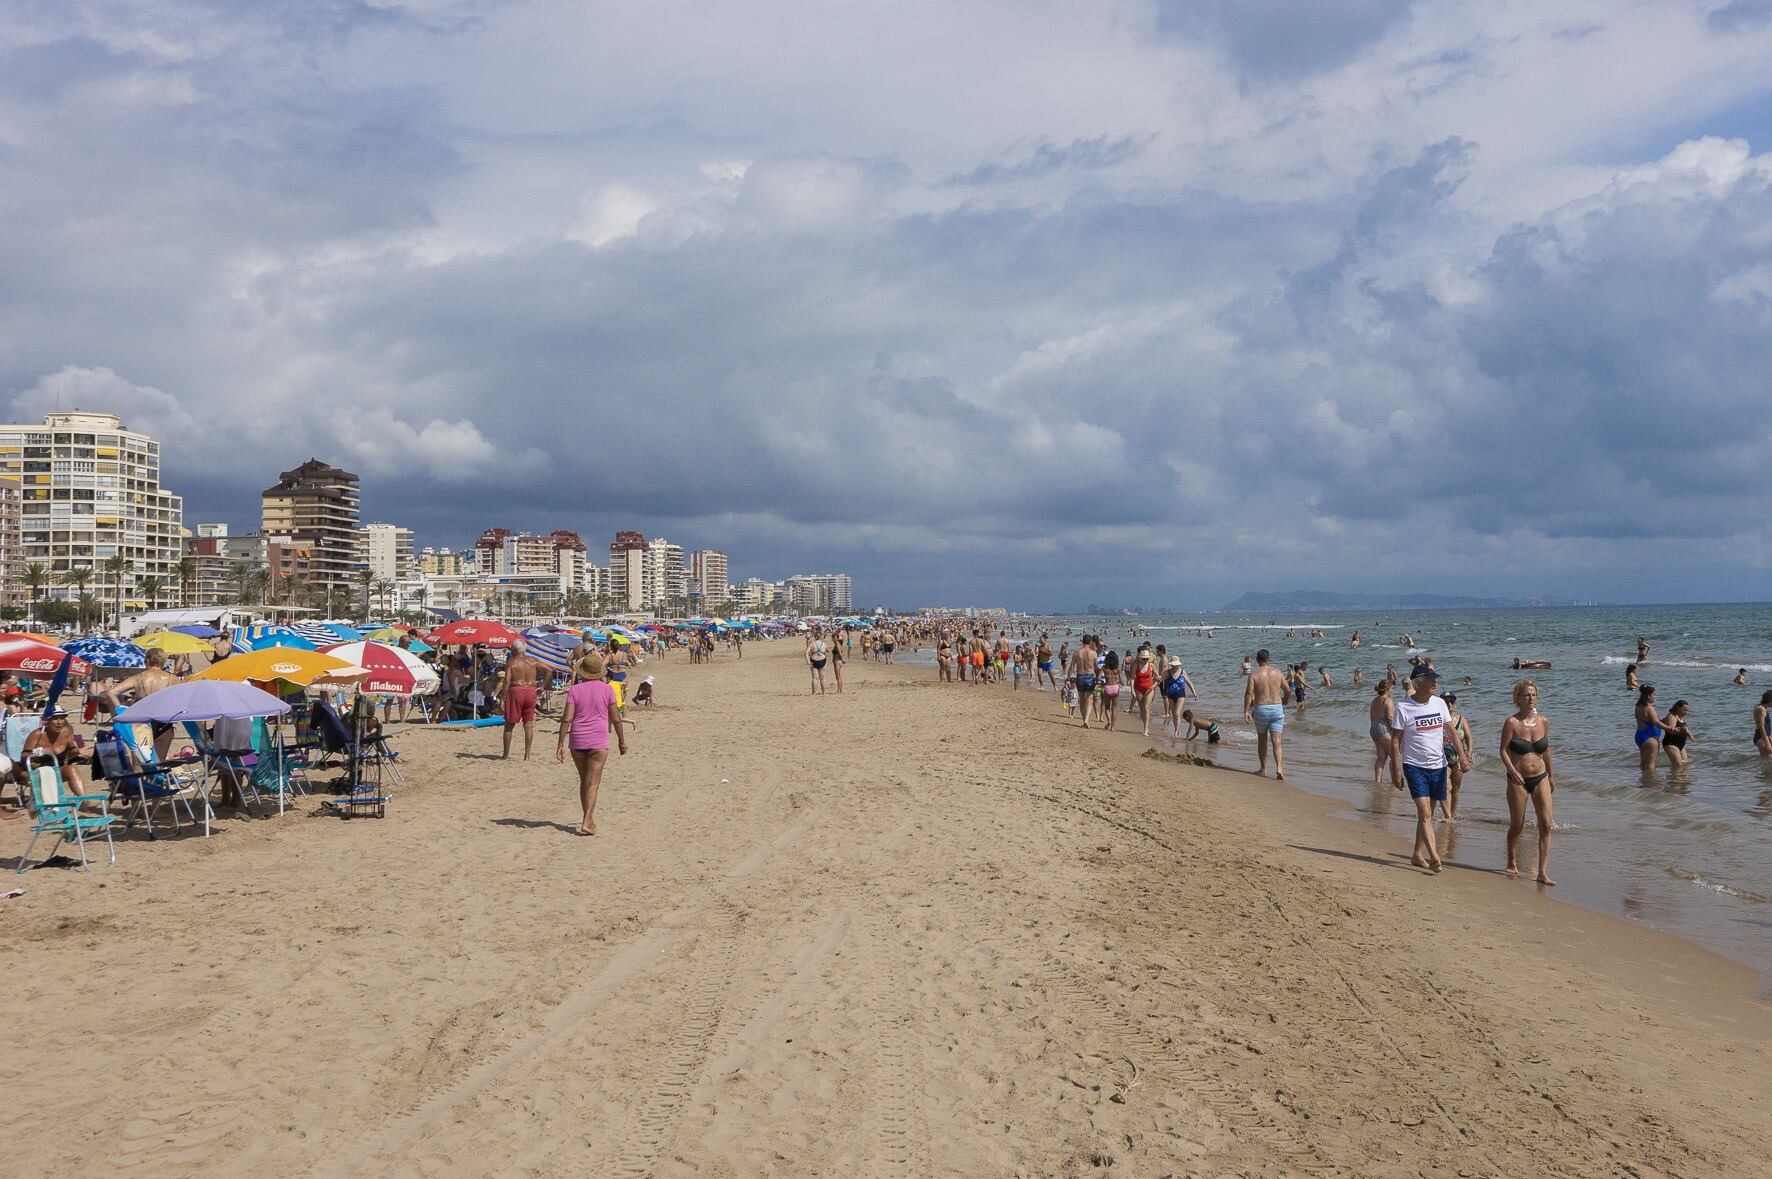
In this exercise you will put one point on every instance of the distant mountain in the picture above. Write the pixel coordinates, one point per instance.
(1293, 601)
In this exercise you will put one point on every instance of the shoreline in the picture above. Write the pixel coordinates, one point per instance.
(914, 929)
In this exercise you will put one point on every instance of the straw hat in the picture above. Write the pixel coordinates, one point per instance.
(1175, 661)
(590, 667)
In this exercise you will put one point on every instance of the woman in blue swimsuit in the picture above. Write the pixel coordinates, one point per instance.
(1649, 728)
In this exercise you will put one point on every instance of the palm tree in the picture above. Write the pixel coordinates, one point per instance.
(383, 591)
(187, 577)
(151, 588)
(365, 580)
(36, 577)
(79, 578)
(116, 566)
(241, 575)
(87, 605)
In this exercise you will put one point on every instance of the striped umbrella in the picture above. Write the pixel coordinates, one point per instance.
(257, 638)
(325, 634)
(553, 651)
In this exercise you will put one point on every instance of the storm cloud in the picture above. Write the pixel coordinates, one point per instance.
(1134, 302)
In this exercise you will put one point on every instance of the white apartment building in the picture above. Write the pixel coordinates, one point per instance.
(819, 593)
(90, 490)
(627, 571)
(387, 551)
(666, 577)
(707, 576)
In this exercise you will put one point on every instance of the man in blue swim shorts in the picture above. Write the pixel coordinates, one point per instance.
(1264, 705)
(1420, 727)
(1082, 672)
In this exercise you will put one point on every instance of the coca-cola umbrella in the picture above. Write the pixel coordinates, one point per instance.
(473, 632)
(392, 672)
(30, 657)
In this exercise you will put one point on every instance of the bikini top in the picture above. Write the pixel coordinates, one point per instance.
(1516, 745)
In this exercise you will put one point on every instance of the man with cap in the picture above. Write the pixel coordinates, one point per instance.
(1422, 737)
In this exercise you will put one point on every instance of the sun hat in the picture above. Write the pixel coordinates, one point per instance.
(590, 667)
(1175, 661)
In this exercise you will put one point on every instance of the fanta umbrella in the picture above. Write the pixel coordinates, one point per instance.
(474, 632)
(392, 672)
(29, 657)
(171, 642)
(290, 664)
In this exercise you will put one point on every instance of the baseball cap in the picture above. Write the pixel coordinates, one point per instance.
(1423, 671)
(1449, 697)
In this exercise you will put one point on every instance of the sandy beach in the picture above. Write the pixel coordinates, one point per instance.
(917, 929)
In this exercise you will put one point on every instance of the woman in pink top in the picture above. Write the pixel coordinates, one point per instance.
(590, 715)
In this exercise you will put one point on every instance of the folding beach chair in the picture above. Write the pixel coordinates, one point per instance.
(226, 755)
(57, 812)
(19, 726)
(139, 779)
(277, 769)
(364, 759)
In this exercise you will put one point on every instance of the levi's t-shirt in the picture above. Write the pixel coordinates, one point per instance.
(1424, 728)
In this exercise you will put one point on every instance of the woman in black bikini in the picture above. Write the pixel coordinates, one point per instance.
(1526, 756)
(1677, 734)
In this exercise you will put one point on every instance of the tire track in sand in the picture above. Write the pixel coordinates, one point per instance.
(893, 1128)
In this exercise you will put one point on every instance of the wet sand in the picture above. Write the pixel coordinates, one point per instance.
(918, 929)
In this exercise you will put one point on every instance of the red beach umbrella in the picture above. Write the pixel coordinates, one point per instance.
(30, 657)
(474, 632)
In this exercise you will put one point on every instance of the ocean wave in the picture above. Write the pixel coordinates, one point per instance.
(1740, 894)
(1712, 665)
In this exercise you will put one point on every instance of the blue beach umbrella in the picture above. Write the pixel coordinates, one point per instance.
(106, 652)
(197, 631)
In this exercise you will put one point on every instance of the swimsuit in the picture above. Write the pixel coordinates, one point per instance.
(519, 704)
(1518, 746)
(1648, 733)
(1675, 739)
(1269, 718)
(1212, 734)
(1380, 730)
(1085, 683)
(1142, 681)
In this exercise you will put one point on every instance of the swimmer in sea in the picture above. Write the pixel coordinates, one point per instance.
(1354, 643)
(1649, 728)
(1526, 757)
(1674, 740)
(1323, 677)
(1642, 650)
(1630, 678)
(1359, 677)
(1740, 677)
(1763, 724)
(1378, 727)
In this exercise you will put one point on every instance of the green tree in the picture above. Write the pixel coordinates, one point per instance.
(78, 578)
(187, 579)
(153, 589)
(36, 578)
(115, 567)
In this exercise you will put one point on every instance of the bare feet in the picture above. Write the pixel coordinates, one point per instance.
(1279, 775)
(1513, 870)
(1435, 865)
(1418, 861)
(1543, 879)
(591, 830)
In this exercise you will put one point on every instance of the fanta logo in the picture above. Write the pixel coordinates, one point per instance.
(285, 668)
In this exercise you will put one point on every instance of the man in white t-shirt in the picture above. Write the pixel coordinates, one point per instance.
(1420, 729)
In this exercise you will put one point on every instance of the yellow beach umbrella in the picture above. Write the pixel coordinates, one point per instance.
(171, 642)
(289, 664)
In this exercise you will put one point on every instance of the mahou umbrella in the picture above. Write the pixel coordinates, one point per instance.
(392, 672)
(29, 657)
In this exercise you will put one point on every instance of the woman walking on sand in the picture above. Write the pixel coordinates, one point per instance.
(1144, 685)
(1526, 756)
(1379, 715)
(587, 722)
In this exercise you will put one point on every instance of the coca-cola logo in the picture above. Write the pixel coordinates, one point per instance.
(37, 663)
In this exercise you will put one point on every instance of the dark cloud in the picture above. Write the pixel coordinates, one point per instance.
(1273, 40)
(1739, 16)
(1045, 159)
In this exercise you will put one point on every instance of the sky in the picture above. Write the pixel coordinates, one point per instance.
(1027, 303)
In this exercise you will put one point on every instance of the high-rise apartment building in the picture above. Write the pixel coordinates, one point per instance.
(387, 550)
(11, 566)
(818, 593)
(667, 578)
(89, 490)
(627, 571)
(316, 505)
(444, 562)
(707, 576)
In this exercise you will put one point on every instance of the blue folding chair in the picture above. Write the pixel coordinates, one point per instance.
(364, 758)
(140, 779)
(57, 812)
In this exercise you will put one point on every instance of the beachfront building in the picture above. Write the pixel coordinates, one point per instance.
(12, 583)
(596, 582)
(627, 571)
(315, 505)
(707, 576)
(667, 578)
(561, 552)
(445, 563)
(819, 593)
(89, 492)
(228, 569)
(387, 551)
(757, 594)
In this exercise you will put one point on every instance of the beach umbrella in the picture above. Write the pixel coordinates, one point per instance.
(290, 664)
(57, 684)
(323, 634)
(392, 672)
(253, 638)
(31, 634)
(202, 700)
(554, 651)
(474, 632)
(197, 631)
(171, 642)
(103, 652)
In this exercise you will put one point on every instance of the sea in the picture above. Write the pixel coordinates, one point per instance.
(1687, 852)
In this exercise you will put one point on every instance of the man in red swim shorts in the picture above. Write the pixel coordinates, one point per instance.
(516, 684)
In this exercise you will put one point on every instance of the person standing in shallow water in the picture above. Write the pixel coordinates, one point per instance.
(1420, 726)
(1526, 756)
(1763, 725)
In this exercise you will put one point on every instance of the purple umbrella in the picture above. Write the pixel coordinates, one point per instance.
(197, 631)
(202, 700)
